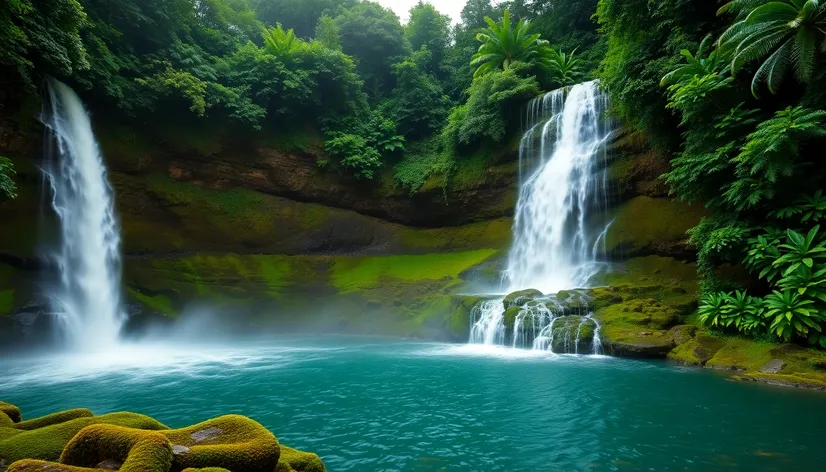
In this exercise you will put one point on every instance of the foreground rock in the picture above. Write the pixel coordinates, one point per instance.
(77, 441)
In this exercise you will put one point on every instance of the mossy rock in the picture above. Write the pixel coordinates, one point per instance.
(697, 351)
(293, 460)
(138, 450)
(11, 411)
(682, 334)
(47, 442)
(573, 334)
(646, 313)
(233, 442)
(135, 443)
(509, 318)
(521, 297)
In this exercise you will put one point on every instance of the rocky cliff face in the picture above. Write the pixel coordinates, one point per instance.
(256, 226)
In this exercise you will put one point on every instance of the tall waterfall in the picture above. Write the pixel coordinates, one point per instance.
(554, 248)
(555, 242)
(87, 295)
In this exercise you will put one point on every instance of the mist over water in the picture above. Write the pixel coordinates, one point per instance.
(86, 295)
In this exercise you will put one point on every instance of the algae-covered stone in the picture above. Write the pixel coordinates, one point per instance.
(510, 317)
(682, 334)
(11, 411)
(696, 351)
(292, 460)
(521, 297)
(47, 443)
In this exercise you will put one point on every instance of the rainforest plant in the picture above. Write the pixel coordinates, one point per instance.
(504, 44)
(777, 34)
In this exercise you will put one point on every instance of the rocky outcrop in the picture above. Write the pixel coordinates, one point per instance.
(76, 440)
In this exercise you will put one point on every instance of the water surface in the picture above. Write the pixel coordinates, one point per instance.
(371, 404)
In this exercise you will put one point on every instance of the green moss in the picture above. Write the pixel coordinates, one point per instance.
(292, 460)
(246, 207)
(138, 450)
(157, 303)
(486, 234)
(741, 354)
(233, 442)
(53, 419)
(696, 351)
(47, 443)
(11, 411)
(521, 297)
(353, 274)
(645, 222)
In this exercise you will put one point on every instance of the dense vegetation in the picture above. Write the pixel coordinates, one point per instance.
(380, 92)
(730, 92)
(743, 113)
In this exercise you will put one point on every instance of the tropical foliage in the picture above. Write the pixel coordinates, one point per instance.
(504, 44)
(746, 157)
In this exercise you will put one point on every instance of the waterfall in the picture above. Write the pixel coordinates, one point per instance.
(554, 248)
(86, 295)
(562, 157)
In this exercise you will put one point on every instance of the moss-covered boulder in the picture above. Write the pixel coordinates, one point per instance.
(47, 442)
(682, 334)
(11, 411)
(521, 297)
(134, 443)
(573, 335)
(233, 442)
(292, 460)
(696, 351)
(137, 450)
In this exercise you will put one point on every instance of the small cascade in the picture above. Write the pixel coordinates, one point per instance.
(87, 293)
(563, 169)
(542, 324)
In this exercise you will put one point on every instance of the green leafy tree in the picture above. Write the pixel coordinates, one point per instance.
(429, 29)
(40, 37)
(374, 37)
(495, 100)
(419, 103)
(328, 33)
(354, 152)
(300, 15)
(504, 44)
(779, 33)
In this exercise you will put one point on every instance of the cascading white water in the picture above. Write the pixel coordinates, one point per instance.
(87, 295)
(554, 249)
(555, 243)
